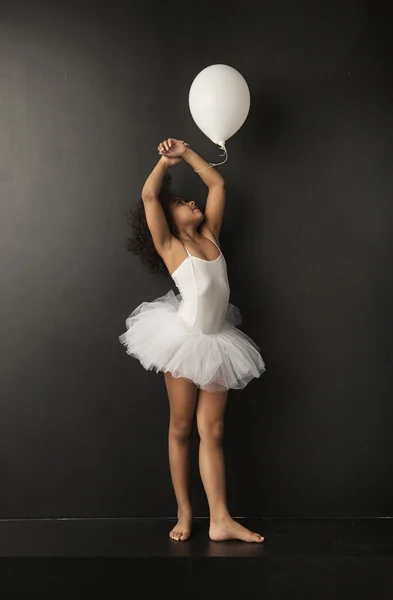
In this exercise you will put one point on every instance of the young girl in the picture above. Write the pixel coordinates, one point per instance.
(191, 337)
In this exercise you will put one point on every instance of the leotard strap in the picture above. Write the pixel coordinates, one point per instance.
(209, 238)
(189, 253)
(186, 249)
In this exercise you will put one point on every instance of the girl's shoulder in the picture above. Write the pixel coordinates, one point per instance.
(205, 230)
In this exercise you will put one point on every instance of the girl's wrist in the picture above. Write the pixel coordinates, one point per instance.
(187, 153)
(164, 163)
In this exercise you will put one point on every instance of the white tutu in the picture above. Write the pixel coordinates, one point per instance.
(162, 341)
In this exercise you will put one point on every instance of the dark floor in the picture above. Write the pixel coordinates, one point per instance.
(300, 558)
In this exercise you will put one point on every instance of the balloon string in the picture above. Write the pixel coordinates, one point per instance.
(222, 146)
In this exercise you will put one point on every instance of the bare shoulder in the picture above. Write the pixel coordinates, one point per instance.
(206, 230)
(172, 253)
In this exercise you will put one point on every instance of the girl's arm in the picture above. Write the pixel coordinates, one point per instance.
(155, 216)
(211, 176)
(177, 150)
(153, 183)
(215, 203)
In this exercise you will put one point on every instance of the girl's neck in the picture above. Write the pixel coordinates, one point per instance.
(189, 235)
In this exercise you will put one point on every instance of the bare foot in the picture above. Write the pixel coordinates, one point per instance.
(228, 529)
(182, 529)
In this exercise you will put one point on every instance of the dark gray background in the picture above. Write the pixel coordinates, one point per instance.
(87, 93)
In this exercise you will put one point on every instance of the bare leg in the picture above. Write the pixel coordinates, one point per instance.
(182, 396)
(210, 420)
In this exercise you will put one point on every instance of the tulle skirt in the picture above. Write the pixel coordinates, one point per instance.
(162, 341)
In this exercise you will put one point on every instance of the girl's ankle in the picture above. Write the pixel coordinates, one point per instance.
(220, 516)
(184, 510)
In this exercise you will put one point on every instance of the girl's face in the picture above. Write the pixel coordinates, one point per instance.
(185, 213)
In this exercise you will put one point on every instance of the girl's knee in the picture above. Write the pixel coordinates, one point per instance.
(181, 429)
(211, 431)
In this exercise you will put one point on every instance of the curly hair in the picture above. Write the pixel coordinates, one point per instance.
(140, 241)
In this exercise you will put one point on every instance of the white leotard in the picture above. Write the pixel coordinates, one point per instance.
(204, 288)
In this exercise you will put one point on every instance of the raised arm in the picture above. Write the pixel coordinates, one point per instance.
(215, 203)
(155, 216)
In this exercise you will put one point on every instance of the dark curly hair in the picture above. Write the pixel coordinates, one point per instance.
(141, 242)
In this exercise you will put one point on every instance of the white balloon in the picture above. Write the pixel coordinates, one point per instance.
(219, 101)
